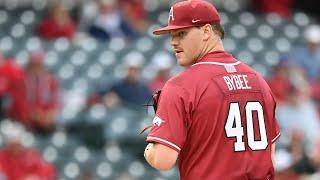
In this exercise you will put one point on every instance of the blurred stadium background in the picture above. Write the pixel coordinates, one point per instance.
(95, 133)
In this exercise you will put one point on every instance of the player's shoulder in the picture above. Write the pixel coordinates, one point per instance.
(186, 78)
(176, 81)
(175, 87)
(260, 80)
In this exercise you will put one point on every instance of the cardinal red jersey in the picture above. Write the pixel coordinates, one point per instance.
(219, 115)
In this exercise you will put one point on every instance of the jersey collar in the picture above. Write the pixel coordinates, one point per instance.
(217, 57)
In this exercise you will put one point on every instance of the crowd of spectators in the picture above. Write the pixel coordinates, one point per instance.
(100, 19)
(294, 84)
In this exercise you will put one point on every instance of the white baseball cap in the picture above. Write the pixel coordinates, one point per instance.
(283, 159)
(134, 59)
(312, 34)
(162, 60)
(13, 131)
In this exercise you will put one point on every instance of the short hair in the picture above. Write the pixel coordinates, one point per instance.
(219, 29)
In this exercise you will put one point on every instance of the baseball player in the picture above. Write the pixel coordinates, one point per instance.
(217, 116)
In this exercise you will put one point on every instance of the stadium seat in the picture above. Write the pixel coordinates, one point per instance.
(301, 19)
(245, 56)
(18, 30)
(247, 19)
(82, 154)
(1, 140)
(271, 58)
(265, 31)
(97, 114)
(291, 31)
(33, 43)
(104, 170)
(273, 19)
(66, 72)
(6, 44)
(59, 139)
(61, 44)
(50, 154)
(51, 60)
(238, 31)
(230, 44)
(283, 45)
(107, 58)
(255, 44)
(28, 17)
(39, 5)
(144, 44)
(22, 57)
(78, 58)
(71, 170)
(231, 6)
(224, 19)
(117, 44)
(95, 71)
(136, 169)
(3, 17)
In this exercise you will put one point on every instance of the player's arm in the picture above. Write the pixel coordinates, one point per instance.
(160, 156)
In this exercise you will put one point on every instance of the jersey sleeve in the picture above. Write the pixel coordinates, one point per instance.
(169, 124)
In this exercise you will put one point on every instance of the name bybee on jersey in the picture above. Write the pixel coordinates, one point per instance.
(237, 82)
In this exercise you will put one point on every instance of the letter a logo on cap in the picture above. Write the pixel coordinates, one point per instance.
(171, 15)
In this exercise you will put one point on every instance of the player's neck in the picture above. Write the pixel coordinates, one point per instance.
(216, 46)
(212, 47)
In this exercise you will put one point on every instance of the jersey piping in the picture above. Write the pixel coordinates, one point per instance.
(164, 141)
(217, 63)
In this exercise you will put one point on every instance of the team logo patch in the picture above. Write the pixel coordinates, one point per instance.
(171, 17)
(157, 121)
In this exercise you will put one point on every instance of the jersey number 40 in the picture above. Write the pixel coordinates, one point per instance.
(234, 127)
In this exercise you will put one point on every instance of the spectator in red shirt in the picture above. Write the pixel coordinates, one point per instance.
(57, 24)
(279, 81)
(135, 13)
(281, 7)
(12, 90)
(19, 162)
(42, 94)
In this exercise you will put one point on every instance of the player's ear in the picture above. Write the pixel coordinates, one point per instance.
(207, 32)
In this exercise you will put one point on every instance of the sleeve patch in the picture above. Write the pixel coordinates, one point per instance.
(157, 121)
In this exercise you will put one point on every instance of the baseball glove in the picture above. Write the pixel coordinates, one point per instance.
(154, 104)
(155, 100)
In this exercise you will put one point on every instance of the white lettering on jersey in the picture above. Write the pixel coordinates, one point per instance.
(171, 17)
(236, 82)
(157, 121)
